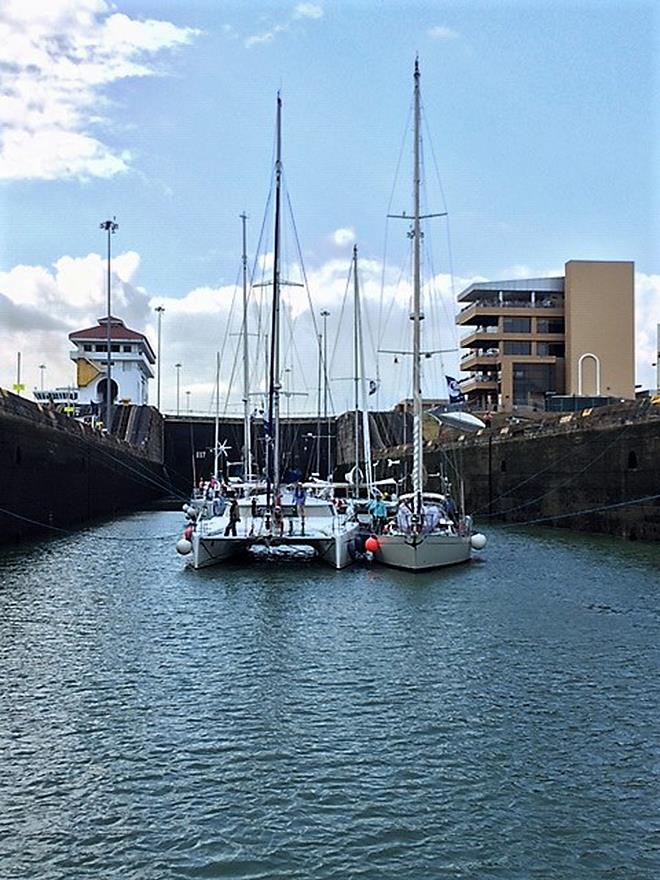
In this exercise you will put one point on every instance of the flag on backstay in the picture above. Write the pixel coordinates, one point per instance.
(455, 393)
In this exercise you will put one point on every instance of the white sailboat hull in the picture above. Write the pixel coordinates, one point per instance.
(330, 540)
(214, 550)
(338, 553)
(425, 554)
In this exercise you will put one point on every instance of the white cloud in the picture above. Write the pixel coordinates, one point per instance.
(59, 58)
(440, 32)
(308, 10)
(301, 11)
(40, 305)
(259, 39)
(647, 320)
(343, 236)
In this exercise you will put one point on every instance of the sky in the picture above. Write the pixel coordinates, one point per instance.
(540, 141)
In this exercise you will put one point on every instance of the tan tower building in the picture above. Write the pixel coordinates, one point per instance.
(573, 334)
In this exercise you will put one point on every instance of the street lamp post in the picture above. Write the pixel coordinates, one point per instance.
(188, 402)
(42, 367)
(159, 311)
(110, 227)
(177, 367)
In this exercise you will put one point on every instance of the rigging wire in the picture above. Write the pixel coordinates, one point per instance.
(450, 257)
(216, 391)
(566, 482)
(404, 138)
(632, 502)
(82, 531)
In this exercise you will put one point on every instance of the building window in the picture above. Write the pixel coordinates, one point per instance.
(127, 348)
(632, 461)
(87, 347)
(531, 381)
(517, 325)
(114, 348)
(98, 347)
(517, 348)
(549, 325)
(550, 349)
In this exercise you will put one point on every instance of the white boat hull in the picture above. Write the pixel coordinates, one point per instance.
(432, 551)
(331, 545)
(213, 550)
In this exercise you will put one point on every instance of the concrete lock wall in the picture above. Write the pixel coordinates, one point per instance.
(54, 472)
(576, 469)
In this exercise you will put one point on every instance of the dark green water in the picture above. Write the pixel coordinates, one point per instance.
(498, 720)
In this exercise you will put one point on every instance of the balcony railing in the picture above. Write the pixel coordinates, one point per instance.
(491, 353)
(546, 302)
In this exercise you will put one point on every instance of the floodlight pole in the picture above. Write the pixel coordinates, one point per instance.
(177, 367)
(110, 227)
(159, 311)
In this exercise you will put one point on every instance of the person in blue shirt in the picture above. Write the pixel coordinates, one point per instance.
(378, 511)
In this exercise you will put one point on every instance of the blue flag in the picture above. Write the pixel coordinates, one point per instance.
(455, 393)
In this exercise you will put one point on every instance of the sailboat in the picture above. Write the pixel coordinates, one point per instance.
(286, 521)
(429, 530)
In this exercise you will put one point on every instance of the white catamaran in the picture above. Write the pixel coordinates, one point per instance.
(267, 517)
(429, 531)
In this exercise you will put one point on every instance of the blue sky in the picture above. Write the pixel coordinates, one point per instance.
(543, 119)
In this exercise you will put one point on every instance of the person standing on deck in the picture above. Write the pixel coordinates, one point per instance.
(299, 499)
(234, 517)
(378, 511)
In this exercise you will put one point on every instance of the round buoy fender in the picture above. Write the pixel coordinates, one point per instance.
(371, 544)
(478, 541)
(183, 546)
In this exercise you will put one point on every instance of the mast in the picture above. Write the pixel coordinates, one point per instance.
(417, 317)
(247, 433)
(216, 446)
(274, 376)
(366, 435)
(319, 338)
(356, 373)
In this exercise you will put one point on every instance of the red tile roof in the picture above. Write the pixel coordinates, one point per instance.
(118, 330)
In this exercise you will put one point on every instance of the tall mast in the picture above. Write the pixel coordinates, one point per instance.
(417, 477)
(274, 377)
(247, 438)
(356, 372)
(366, 437)
(216, 446)
(319, 338)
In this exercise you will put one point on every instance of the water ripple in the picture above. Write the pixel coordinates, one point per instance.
(492, 721)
